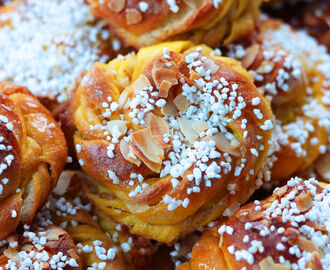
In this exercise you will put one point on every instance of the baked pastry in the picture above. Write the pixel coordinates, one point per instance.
(311, 16)
(292, 71)
(174, 136)
(46, 248)
(144, 23)
(33, 153)
(45, 53)
(117, 249)
(289, 230)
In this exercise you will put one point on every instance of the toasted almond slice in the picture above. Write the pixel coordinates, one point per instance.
(250, 55)
(222, 143)
(262, 68)
(133, 16)
(117, 5)
(127, 153)
(322, 167)
(123, 100)
(187, 129)
(281, 191)
(145, 148)
(141, 83)
(268, 264)
(164, 70)
(308, 245)
(117, 128)
(158, 128)
(164, 88)
(194, 75)
(305, 201)
(209, 64)
(169, 109)
(63, 182)
(182, 103)
(200, 126)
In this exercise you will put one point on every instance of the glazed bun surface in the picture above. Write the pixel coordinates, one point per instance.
(173, 136)
(33, 153)
(146, 23)
(289, 230)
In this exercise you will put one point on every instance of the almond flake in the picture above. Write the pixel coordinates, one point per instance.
(305, 201)
(222, 143)
(281, 191)
(117, 128)
(164, 88)
(117, 5)
(158, 128)
(141, 83)
(268, 264)
(133, 16)
(182, 103)
(164, 70)
(250, 55)
(322, 167)
(127, 153)
(169, 109)
(187, 129)
(200, 126)
(308, 245)
(145, 148)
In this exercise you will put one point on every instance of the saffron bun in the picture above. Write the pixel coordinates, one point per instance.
(48, 247)
(292, 71)
(69, 208)
(46, 54)
(149, 134)
(32, 156)
(288, 230)
(143, 24)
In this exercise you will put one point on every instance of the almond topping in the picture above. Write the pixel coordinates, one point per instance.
(141, 83)
(128, 154)
(250, 55)
(158, 128)
(305, 201)
(194, 75)
(209, 64)
(200, 126)
(145, 148)
(117, 5)
(169, 109)
(182, 103)
(123, 100)
(281, 191)
(164, 88)
(117, 128)
(268, 264)
(133, 16)
(308, 245)
(222, 143)
(187, 129)
(164, 70)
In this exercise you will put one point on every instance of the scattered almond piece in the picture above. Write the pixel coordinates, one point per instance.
(127, 154)
(305, 201)
(133, 16)
(223, 144)
(117, 5)
(141, 83)
(250, 55)
(158, 128)
(187, 129)
(182, 103)
(268, 264)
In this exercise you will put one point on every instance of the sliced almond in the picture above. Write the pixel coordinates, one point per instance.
(182, 103)
(63, 182)
(141, 83)
(209, 64)
(117, 128)
(200, 126)
(123, 100)
(250, 55)
(222, 143)
(158, 128)
(308, 245)
(262, 68)
(281, 191)
(169, 109)
(145, 148)
(194, 75)
(127, 153)
(117, 5)
(164, 70)
(164, 89)
(187, 129)
(305, 201)
(133, 16)
(269, 264)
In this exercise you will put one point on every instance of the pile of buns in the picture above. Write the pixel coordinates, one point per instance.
(165, 134)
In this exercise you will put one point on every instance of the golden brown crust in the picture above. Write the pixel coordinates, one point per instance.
(157, 21)
(261, 236)
(40, 247)
(295, 80)
(33, 154)
(128, 174)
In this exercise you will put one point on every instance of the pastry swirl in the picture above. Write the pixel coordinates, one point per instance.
(172, 136)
